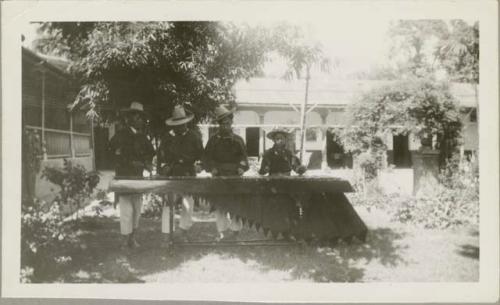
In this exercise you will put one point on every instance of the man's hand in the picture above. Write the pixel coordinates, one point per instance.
(240, 171)
(165, 170)
(264, 170)
(301, 170)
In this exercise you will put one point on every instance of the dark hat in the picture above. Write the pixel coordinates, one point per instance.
(276, 131)
(135, 107)
(179, 117)
(222, 112)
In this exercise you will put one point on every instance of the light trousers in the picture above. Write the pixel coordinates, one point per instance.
(130, 212)
(186, 215)
(224, 222)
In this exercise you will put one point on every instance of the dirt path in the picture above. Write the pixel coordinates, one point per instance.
(392, 253)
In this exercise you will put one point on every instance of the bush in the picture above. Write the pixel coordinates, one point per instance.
(42, 231)
(77, 185)
(152, 206)
(456, 203)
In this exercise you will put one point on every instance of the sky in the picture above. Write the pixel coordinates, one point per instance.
(355, 44)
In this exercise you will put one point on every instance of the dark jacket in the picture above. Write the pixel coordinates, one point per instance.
(179, 153)
(127, 147)
(227, 154)
(279, 161)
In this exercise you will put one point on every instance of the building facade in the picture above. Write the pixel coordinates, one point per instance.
(265, 103)
(47, 91)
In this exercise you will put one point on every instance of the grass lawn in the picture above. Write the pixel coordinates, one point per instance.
(393, 252)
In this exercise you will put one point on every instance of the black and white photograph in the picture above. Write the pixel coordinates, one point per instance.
(251, 151)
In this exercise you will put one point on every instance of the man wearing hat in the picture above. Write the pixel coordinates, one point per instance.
(225, 155)
(133, 153)
(179, 151)
(278, 160)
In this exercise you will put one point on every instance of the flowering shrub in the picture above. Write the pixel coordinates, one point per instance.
(42, 230)
(32, 154)
(152, 206)
(77, 185)
(369, 165)
(455, 203)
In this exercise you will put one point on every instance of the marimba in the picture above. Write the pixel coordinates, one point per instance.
(307, 208)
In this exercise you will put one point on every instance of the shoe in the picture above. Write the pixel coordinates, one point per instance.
(132, 243)
(220, 237)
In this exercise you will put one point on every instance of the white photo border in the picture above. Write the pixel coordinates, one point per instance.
(21, 12)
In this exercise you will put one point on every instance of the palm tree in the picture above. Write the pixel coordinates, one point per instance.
(301, 56)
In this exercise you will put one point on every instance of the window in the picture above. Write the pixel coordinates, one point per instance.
(81, 123)
(311, 134)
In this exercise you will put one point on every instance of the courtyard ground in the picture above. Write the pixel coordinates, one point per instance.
(393, 252)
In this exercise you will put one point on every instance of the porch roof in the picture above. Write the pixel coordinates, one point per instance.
(327, 92)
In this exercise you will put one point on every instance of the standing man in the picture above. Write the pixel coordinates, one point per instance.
(179, 151)
(133, 153)
(225, 155)
(279, 160)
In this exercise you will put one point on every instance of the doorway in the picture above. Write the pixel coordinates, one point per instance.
(252, 137)
(401, 151)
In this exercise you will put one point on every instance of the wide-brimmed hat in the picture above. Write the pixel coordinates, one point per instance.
(179, 116)
(278, 130)
(221, 112)
(135, 107)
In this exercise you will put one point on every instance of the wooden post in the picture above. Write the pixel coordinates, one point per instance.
(92, 142)
(171, 217)
(262, 136)
(71, 139)
(43, 114)
(303, 115)
(324, 133)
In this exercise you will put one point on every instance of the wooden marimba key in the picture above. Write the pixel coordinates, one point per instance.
(307, 208)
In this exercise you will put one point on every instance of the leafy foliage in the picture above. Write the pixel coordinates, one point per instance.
(160, 64)
(32, 150)
(410, 40)
(32, 154)
(419, 106)
(455, 204)
(77, 185)
(42, 231)
(458, 52)
(420, 47)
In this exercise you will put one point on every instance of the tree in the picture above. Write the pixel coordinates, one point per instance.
(160, 64)
(420, 47)
(411, 40)
(458, 52)
(419, 106)
(301, 56)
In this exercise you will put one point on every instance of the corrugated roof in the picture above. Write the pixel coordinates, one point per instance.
(322, 91)
(55, 63)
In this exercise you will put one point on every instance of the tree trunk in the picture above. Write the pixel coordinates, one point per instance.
(303, 115)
